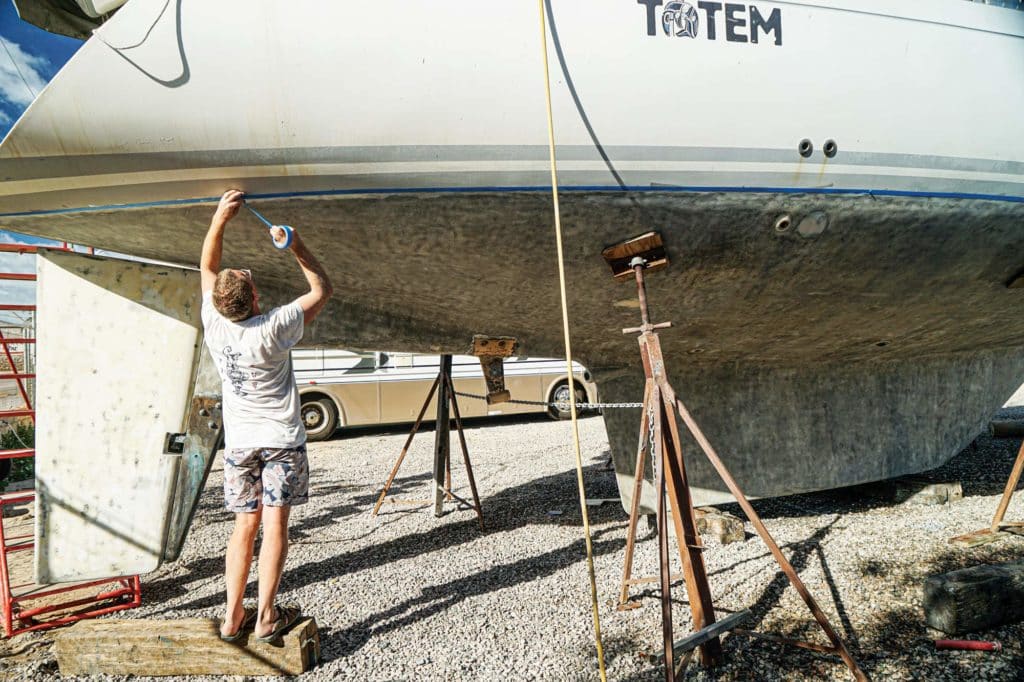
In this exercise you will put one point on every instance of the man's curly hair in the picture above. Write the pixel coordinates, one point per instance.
(232, 295)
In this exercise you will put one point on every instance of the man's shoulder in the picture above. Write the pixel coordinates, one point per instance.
(207, 311)
(285, 313)
(284, 325)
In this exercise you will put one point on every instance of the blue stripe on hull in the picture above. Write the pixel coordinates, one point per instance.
(539, 188)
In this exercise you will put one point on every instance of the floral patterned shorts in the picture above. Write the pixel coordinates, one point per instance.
(277, 477)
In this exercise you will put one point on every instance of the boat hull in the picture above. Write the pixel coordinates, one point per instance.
(873, 348)
(840, 186)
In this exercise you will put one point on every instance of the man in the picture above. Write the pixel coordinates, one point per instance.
(265, 467)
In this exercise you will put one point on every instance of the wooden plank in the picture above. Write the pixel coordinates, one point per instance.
(189, 646)
(978, 537)
(975, 598)
(647, 245)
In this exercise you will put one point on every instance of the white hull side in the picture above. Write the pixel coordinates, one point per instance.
(920, 96)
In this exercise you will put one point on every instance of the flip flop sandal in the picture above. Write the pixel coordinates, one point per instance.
(248, 618)
(286, 617)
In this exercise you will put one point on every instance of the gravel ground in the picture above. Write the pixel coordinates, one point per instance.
(409, 596)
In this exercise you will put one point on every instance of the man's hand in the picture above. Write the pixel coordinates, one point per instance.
(278, 234)
(228, 206)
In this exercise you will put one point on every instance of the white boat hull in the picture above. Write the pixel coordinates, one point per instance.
(815, 297)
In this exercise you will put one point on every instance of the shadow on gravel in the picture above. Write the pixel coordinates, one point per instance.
(785, 662)
(895, 637)
(175, 584)
(434, 599)
(508, 509)
(947, 558)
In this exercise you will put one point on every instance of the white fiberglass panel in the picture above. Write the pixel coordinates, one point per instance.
(117, 344)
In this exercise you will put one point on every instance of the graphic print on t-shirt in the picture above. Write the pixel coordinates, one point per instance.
(235, 375)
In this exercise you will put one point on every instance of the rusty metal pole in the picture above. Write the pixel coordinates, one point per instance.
(665, 569)
(442, 434)
(641, 288)
(688, 539)
(670, 482)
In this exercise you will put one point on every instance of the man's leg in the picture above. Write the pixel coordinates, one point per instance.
(285, 481)
(273, 552)
(242, 491)
(236, 568)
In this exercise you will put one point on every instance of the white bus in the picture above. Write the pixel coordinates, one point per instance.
(347, 388)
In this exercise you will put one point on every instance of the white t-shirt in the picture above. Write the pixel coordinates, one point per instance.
(261, 400)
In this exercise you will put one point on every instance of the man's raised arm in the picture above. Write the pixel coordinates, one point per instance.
(209, 261)
(320, 288)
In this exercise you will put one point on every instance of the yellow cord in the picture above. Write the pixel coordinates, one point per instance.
(568, 350)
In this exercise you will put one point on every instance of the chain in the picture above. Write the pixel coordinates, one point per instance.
(650, 429)
(580, 406)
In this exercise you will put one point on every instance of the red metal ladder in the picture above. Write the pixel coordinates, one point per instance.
(18, 615)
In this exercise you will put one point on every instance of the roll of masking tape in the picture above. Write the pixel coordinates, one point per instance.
(289, 235)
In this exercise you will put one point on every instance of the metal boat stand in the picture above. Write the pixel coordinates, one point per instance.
(442, 473)
(659, 436)
(999, 529)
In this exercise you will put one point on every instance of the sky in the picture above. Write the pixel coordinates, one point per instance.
(29, 58)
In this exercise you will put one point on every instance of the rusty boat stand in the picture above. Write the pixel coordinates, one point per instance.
(659, 437)
(442, 473)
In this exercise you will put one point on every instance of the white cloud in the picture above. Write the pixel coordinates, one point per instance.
(13, 60)
(4, 118)
(16, 238)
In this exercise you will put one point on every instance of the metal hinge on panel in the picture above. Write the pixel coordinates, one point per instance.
(174, 444)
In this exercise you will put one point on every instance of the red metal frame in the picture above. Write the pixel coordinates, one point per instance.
(125, 593)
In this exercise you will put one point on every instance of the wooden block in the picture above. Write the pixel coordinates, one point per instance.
(975, 598)
(181, 647)
(647, 245)
(913, 490)
(1006, 429)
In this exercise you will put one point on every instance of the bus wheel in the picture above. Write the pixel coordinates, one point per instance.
(561, 395)
(320, 417)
